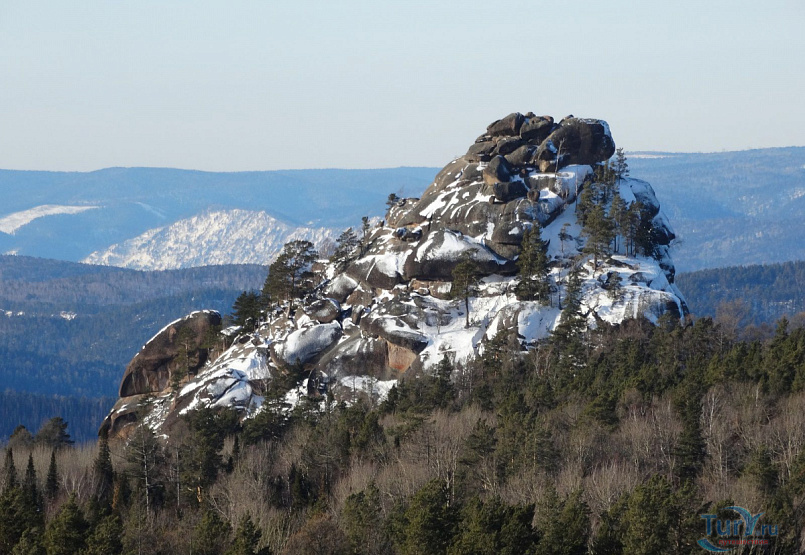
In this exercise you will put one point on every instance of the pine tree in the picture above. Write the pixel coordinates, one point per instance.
(533, 267)
(465, 281)
(53, 433)
(289, 276)
(365, 234)
(567, 334)
(599, 230)
(246, 310)
(20, 437)
(346, 249)
(630, 226)
(363, 522)
(621, 168)
(650, 518)
(617, 213)
(568, 527)
(52, 480)
(392, 201)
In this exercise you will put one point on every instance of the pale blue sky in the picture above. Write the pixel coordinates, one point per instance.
(243, 85)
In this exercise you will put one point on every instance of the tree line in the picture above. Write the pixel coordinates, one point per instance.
(612, 440)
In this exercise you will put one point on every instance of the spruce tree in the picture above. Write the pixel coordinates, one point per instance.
(29, 486)
(9, 471)
(533, 267)
(52, 480)
(246, 539)
(30, 543)
(465, 282)
(106, 537)
(211, 534)
(104, 473)
(66, 533)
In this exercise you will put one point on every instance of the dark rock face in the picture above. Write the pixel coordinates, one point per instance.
(537, 129)
(481, 152)
(150, 370)
(507, 192)
(576, 141)
(497, 171)
(508, 126)
(507, 145)
(523, 156)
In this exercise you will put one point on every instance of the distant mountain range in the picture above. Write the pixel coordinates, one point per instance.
(122, 214)
(727, 209)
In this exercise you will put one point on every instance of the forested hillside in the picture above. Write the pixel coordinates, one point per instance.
(614, 441)
(730, 208)
(757, 294)
(68, 330)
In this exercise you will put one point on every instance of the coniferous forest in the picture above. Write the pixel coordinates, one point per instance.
(609, 441)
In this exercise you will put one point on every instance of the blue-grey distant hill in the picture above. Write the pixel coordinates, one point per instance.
(131, 201)
(730, 208)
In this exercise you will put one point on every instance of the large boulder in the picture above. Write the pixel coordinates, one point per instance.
(508, 126)
(576, 141)
(150, 370)
(497, 171)
(507, 145)
(303, 345)
(507, 192)
(481, 152)
(437, 257)
(395, 331)
(536, 129)
(522, 157)
(323, 310)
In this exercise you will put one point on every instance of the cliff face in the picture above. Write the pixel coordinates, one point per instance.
(388, 312)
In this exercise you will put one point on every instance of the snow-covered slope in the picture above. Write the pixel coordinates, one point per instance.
(215, 237)
(387, 311)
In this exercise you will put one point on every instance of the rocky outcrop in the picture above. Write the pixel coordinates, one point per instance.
(150, 370)
(390, 312)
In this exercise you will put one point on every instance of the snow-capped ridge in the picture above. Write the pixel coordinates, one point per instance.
(215, 237)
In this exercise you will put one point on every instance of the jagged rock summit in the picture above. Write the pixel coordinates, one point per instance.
(385, 310)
